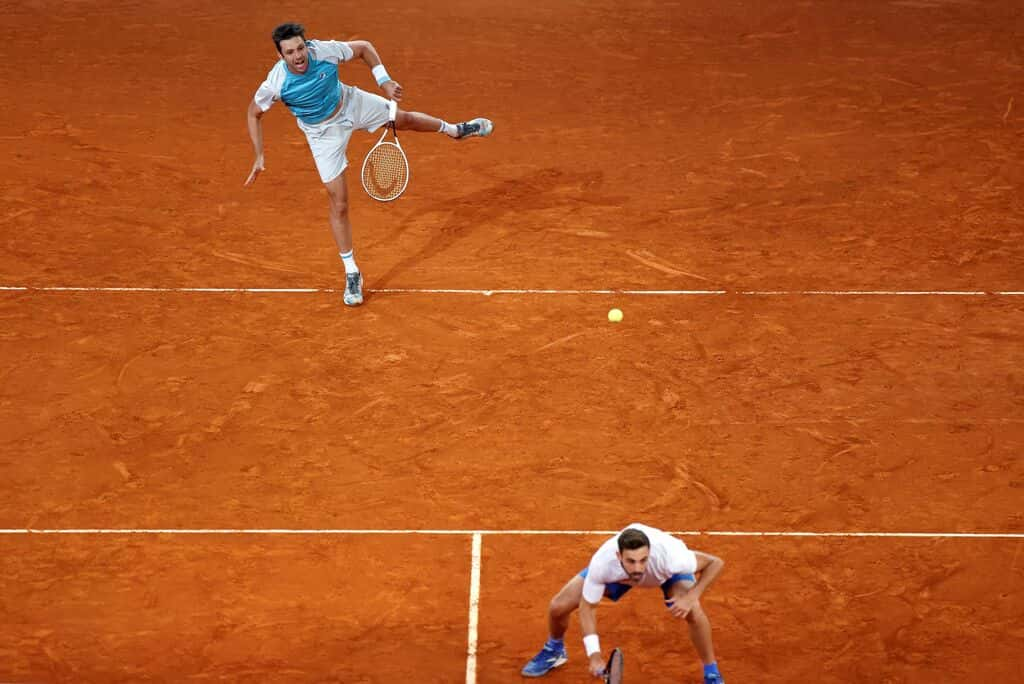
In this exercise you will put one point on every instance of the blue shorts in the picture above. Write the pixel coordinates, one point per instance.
(616, 590)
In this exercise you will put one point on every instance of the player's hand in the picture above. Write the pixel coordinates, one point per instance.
(257, 169)
(393, 89)
(597, 664)
(682, 606)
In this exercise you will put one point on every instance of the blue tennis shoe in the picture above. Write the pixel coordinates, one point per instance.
(545, 661)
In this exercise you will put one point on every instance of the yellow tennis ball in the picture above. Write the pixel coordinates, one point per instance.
(615, 315)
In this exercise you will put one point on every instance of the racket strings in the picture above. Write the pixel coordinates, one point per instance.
(386, 171)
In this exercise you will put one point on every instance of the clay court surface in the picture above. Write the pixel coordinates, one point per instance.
(729, 174)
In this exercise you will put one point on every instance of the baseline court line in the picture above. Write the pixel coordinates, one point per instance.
(474, 609)
(875, 293)
(499, 291)
(484, 533)
(213, 290)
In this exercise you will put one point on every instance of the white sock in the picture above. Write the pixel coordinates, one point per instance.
(448, 129)
(350, 262)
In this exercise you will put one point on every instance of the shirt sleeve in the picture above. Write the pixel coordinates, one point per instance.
(331, 50)
(681, 560)
(269, 91)
(593, 589)
(595, 581)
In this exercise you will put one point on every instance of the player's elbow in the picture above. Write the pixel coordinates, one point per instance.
(706, 561)
(254, 111)
(361, 48)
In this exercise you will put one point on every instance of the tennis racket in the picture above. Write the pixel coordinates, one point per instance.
(613, 668)
(386, 170)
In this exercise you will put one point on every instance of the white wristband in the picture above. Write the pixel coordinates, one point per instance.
(381, 74)
(592, 644)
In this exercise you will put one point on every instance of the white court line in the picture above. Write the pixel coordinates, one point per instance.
(488, 293)
(474, 609)
(876, 293)
(483, 533)
(214, 290)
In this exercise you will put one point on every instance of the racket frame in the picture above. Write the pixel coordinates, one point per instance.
(616, 655)
(389, 127)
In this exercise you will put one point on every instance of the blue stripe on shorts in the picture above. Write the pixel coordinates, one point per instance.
(613, 590)
(666, 586)
(616, 590)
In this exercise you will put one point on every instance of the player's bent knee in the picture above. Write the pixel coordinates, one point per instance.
(560, 606)
(564, 602)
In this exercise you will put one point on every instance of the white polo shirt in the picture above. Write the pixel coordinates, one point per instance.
(668, 556)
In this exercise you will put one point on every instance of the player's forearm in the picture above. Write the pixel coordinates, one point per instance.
(588, 618)
(708, 575)
(255, 124)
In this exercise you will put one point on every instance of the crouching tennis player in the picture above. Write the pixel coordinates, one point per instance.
(327, 111)
(639, 556)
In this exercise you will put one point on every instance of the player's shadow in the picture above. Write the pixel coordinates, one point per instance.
(466, 215)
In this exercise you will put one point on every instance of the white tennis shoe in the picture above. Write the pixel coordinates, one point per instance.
(353, 289)
(475, 127)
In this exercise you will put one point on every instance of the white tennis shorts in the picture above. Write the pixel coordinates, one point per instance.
(328, 139)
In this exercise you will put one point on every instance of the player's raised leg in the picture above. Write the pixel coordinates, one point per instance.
(417, 121)
(561, 608)
(341, 228)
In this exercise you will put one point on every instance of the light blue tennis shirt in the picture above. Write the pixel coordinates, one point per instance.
(311, 96)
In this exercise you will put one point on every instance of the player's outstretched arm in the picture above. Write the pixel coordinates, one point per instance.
(254, 119)
(588, 626)
(364, 50)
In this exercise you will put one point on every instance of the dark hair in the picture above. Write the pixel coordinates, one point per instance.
(632, 538)
(286, 31)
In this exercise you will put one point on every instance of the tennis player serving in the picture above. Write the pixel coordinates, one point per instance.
(327, 111)
(638, 556)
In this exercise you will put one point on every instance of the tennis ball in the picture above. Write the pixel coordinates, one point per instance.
(615, 315)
